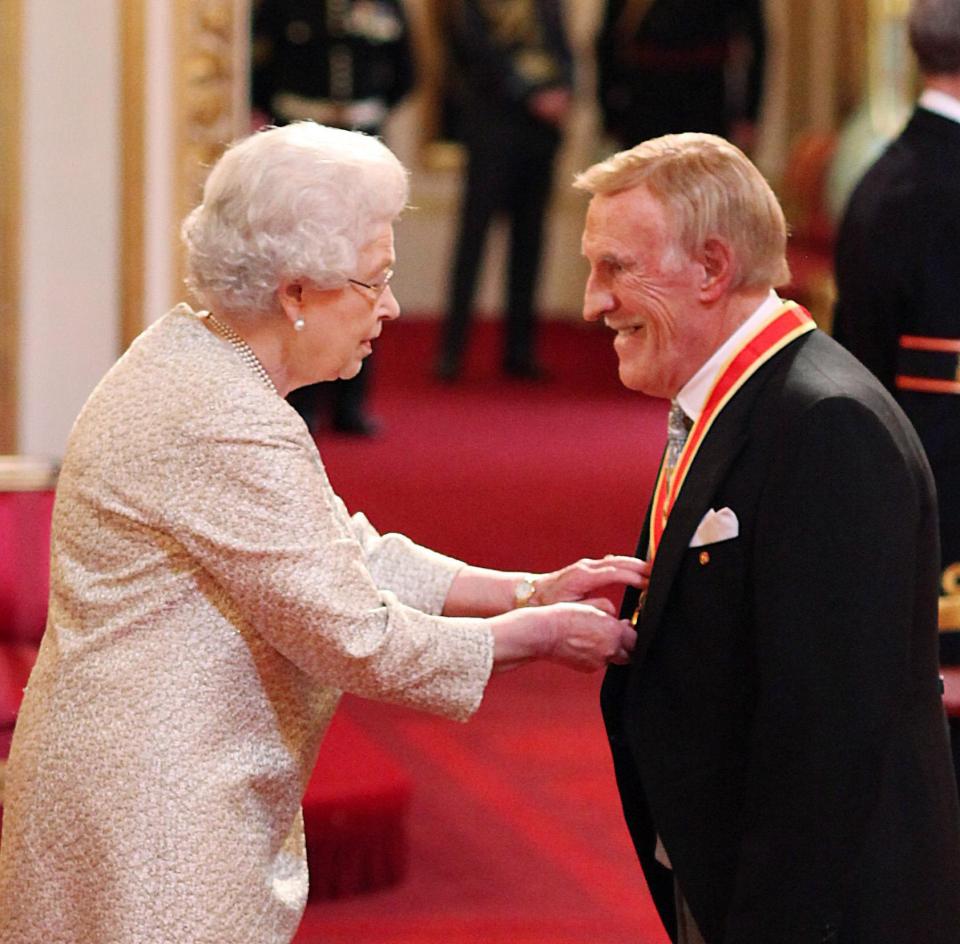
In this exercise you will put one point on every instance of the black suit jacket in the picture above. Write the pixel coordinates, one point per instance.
(780, 725)
(898, 272)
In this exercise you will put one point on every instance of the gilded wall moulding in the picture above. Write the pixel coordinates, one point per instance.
(211, 62)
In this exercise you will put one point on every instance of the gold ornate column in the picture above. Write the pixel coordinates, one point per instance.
(211, 48)
(11, 36)
(429, 24)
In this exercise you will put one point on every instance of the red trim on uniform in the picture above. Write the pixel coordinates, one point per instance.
(927, 385)
(914, 342)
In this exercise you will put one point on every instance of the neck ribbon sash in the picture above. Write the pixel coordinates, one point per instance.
(784, 326)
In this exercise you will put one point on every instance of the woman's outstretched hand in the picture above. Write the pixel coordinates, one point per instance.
(478, 591)
(581, 580)
(577, 635)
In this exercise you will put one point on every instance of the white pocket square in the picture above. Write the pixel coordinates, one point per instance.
(716, 526)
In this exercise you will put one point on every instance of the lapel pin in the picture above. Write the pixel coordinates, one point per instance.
(704, 558)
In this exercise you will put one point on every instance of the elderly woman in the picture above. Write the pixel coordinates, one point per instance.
(211, 597)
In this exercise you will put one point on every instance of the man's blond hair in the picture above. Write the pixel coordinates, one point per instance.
(709, 188)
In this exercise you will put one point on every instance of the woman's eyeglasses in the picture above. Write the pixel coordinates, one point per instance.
(379, 287)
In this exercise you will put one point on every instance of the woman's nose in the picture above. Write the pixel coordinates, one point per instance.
(389, 306)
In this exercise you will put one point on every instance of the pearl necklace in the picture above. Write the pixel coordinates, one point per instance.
(243, 349)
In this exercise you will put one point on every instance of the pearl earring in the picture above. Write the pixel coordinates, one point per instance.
(298, 325)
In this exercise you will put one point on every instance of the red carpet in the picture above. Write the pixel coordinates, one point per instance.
(515, 830)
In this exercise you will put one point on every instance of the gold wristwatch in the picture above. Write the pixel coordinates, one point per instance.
(523, 592)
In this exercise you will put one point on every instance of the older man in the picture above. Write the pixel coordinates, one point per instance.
(779, 738)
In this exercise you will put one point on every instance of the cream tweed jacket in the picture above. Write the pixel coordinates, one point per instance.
(210, 599)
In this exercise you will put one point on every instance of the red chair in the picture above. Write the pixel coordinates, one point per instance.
(26, 503)
(354, 815)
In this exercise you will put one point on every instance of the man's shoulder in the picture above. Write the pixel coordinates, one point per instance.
(819, 377)
(921, 165)
(816, 368)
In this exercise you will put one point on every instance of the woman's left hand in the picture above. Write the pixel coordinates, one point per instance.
(582, 580)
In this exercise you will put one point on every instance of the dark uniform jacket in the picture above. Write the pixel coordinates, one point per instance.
(898, 273)
(780, 725)
(662, 66)
(503, 52)
(329, 51)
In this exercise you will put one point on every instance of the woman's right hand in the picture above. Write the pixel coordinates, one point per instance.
(581, 636)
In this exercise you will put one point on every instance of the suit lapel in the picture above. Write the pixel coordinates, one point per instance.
(720, 448)
(631, 596)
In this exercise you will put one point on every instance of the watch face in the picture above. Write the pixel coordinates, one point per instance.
(523, 591)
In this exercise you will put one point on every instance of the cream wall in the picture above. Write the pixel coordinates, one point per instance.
(69, 209)
(159, 280)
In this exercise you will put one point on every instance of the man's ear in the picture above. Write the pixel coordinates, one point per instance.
(718, 263)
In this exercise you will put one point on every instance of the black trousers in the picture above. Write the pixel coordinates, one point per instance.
(509, 172)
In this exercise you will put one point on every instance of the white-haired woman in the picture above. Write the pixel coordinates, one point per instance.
(210, 595)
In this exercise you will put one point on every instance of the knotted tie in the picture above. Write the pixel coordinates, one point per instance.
(677, 429)
(678, 426)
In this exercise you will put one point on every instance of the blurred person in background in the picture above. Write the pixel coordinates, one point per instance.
(345, 64)
(898, 273)
(513, 91)
(666, 66)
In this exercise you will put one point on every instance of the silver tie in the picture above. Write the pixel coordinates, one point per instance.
(677, 431)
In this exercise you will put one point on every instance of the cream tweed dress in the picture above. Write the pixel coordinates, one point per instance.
(210, 599)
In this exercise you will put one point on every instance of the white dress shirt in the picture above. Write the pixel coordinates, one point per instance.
(693, 396)
(940, 103)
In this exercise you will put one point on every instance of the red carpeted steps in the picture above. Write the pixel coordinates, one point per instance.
(354, 815)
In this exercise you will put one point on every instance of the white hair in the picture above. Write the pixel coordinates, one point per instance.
(293, 202)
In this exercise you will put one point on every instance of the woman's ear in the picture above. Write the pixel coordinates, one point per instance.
(290, 295)
(290, 292)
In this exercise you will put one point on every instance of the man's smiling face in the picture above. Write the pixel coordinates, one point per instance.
(646, 289)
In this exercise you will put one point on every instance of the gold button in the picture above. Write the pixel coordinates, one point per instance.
(704, 558)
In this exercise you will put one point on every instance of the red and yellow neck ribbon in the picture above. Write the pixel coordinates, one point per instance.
(784, 326)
